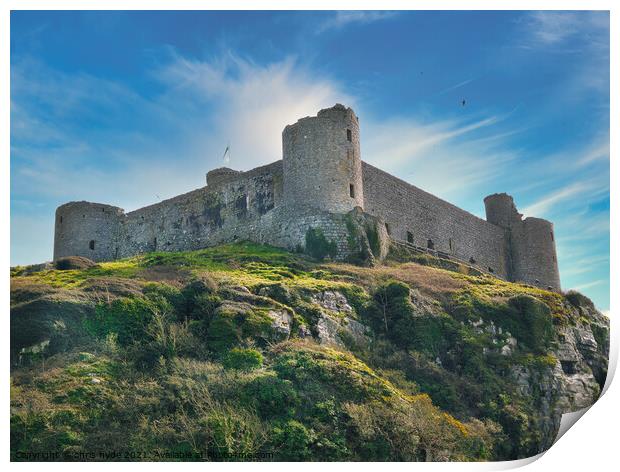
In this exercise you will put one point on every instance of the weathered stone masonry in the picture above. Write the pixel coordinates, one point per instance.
(321, 182)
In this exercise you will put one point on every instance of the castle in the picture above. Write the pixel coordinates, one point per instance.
(321, 183)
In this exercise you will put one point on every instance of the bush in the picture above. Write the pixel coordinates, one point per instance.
(243, 359)
(532, 323)
(232, 324)
(578, 300)
(204, 306)
(392, 313)
(230, 431)
(195, 293)
(128, 318)
(293, 440)
(172, 294)
(373, 240)
(317, 245)
(271, 396)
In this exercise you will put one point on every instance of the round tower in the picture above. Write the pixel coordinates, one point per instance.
(321, 161)
(220, 175)
(501, 210)
(87, 229)
(533, 254)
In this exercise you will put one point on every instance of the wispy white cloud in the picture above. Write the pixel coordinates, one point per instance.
(454, 87)
(341, 19)
(599, 152)
(551, 27)
(409, 148)
(554, 27)
(251, 103)
(544, 204)
(138, 150)
(587, 285)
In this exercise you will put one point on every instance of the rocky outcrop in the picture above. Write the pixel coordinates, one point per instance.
(282, 323)
(332, 301)
(575, 380)
(336, 324)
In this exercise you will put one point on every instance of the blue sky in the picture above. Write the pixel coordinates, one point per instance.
(128, 108)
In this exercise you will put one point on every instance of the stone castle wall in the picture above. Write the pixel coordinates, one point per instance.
(416, 216)
(320, 183)
(243, 206)
(227, 210)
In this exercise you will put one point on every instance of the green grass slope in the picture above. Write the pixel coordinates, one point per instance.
(220, 354)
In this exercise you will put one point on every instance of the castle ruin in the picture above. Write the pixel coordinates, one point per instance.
(321, 183)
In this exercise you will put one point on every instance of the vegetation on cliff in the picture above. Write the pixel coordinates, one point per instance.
(244, 352)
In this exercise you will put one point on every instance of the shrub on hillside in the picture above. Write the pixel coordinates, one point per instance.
(293, 440)
(243, 359)
(128, 318)
(234, 323)
(318, 246)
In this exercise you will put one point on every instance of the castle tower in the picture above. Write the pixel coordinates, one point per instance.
(321, 161)
(87, 229)
(501, 210)
(530, 243)
(220, 175)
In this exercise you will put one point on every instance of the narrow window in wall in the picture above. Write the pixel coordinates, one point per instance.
(409, 237)
(155, 243)
(349, 136)
(61, 220)
(451, 244)
(551, 235)
(387, 228)
(352, 190)
(430, 244)
(91, 245)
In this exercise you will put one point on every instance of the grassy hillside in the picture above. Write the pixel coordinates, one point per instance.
(243, 352)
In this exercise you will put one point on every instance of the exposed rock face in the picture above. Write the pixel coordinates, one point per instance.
(282, 323)
(336, 326)
(576, 379)
(327, 329)
(331, 330)
(333, 301)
